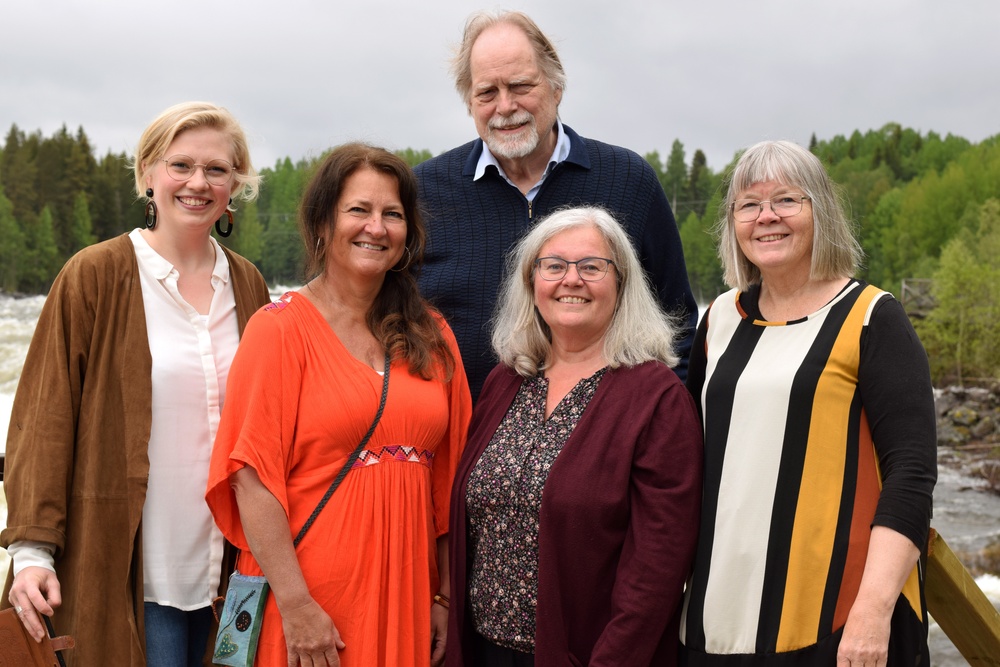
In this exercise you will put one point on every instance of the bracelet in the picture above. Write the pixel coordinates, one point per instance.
(441, 600)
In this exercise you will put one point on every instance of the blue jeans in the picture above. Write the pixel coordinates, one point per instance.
(176, 638)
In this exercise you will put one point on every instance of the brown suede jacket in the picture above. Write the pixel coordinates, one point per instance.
(76, 460)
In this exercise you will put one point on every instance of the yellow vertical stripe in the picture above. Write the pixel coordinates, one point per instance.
(822, 483)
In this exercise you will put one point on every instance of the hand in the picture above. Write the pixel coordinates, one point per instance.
(439, 634)
(865, 642)
(35, 591)
(311, 637)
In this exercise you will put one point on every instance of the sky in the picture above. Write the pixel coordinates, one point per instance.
(305, 75)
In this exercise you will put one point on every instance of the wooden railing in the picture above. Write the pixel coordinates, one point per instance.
(958, 605)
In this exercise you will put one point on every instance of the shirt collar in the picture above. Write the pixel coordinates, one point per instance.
(160, 269)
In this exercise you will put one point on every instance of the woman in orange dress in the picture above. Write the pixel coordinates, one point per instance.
(360, 588)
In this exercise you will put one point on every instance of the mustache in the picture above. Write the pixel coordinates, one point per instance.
(519, 118)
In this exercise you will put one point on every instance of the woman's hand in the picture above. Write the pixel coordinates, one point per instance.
(35, 591)
(865, 642)
(311, 636)
(439, 634)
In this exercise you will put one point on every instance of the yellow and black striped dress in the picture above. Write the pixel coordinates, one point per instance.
(815, 430)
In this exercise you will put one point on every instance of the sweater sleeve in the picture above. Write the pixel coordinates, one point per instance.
(41, 441)
(896, 391)
(663, 257)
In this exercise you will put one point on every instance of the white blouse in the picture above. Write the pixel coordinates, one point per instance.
(191, 353)
(182, 547)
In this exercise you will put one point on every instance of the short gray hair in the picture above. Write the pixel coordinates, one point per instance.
(640, 330)
(545, 53)
(836, 252)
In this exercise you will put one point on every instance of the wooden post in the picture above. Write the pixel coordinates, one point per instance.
(965, 614)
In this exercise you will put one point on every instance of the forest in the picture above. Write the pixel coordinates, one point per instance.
(926, 206)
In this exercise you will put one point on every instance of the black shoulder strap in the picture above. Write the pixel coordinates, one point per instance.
(352, 458)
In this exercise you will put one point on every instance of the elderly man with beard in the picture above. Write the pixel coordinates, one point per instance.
(482, 198)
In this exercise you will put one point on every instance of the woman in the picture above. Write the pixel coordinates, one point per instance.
(118, 404)
(359, 589)
(819, 439)
(575, 506)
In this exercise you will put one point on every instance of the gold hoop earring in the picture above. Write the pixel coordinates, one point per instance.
(409, 258)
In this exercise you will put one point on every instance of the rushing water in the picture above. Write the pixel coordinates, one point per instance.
(964, 513)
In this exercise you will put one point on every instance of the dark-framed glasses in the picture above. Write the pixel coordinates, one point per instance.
(748, 210)
(590, 269)
(182, 167)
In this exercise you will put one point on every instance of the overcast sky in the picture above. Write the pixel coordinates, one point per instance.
(304, 75)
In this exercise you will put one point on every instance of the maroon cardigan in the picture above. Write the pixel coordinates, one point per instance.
(618, 522)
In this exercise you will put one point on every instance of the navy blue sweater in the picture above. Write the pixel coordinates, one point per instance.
(472, 225)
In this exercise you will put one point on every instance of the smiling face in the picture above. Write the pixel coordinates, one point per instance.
(572, 307)
(369, 230)
(512, 102)
(775, 245)
(194, 204)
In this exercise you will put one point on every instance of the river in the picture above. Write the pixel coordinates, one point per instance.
(965, 514)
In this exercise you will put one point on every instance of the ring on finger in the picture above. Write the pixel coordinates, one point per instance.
(18, 609)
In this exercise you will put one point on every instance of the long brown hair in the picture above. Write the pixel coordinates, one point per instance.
(399, 317)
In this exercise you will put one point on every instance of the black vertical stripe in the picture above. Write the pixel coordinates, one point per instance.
(719, 394)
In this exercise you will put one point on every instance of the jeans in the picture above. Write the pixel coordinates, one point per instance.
(176, 638)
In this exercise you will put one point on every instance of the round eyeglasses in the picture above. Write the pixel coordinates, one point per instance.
(748, 210)
(182, 167)
(590, 269)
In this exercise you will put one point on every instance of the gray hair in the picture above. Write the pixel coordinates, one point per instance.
(545, 53)
(836, 252)
(640, 330)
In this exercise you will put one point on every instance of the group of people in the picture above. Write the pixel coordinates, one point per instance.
(512, 323)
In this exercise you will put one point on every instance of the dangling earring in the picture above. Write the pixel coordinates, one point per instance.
(224, 233)
(409, 257)
(150, 210)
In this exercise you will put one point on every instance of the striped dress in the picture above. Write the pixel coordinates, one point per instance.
(815, 430)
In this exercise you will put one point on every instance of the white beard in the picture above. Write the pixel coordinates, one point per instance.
(517, 146)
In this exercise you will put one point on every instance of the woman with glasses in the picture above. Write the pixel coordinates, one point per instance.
(118, 405)
(575, 506)
(820, 441)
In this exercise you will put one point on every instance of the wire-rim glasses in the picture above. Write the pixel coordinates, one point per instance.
(590, 269)
(784, 206)
(182, 168)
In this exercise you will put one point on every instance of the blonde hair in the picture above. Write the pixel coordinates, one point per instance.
(156, 139)
(836, 252)
(640, 330)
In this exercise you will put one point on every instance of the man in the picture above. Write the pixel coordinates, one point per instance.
(482, 197)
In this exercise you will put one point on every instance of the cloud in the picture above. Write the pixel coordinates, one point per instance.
(303, 75)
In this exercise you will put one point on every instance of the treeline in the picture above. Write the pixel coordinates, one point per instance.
(927, 207)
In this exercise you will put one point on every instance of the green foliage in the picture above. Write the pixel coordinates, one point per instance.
(414, 157)
(11, 246)
(282, 258)
(960, 333)
(701, 257)
(41, 252)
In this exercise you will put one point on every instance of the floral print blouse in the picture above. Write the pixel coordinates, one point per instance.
(504, 497)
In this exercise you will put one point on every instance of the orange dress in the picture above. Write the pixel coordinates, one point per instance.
(297, 405)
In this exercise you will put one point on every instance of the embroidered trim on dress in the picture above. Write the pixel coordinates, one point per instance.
(369, 457)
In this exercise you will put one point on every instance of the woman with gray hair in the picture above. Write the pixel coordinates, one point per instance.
(820, 439)
(576, 501)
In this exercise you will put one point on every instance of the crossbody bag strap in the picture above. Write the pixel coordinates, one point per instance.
(352, 458)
